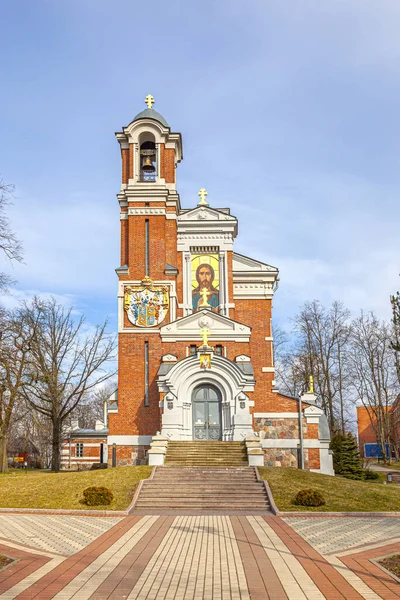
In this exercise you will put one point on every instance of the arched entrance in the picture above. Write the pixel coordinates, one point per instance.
(206, 411)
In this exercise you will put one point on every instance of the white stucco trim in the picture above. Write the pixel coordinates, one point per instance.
(79, 458)
(292, 443)
(129, 440)
(157, 211)
(277, 415)
(225, 375)
(268, 369)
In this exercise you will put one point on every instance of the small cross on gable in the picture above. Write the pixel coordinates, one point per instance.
(202, 194)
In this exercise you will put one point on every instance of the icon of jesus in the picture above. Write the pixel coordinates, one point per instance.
(205, 276)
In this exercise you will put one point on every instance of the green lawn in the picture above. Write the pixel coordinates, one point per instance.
(39, 489)
(341, 495)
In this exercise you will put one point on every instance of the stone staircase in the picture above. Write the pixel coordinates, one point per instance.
(212, 490)
(201, 454)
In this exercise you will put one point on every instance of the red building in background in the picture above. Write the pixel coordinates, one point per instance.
(367, 427)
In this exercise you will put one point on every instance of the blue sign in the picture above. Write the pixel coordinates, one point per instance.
(374, 450)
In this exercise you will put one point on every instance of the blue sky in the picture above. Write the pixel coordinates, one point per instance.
(289, 115)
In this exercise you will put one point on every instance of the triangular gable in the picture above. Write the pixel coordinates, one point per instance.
(205, 213)
(221, 328)
(245, 264)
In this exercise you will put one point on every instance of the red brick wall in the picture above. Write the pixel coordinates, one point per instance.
(366, 433)
(124, 241)
(312, 431)
(396, 422)
(314, 458)
(130, 168)
(125, 164)
(167, 164)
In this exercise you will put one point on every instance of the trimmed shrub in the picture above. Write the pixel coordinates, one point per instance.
(369, 475)
(309, 498)
(97, 495)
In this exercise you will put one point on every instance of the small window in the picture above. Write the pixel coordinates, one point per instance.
(79, 449)
(219, 350)
(192, 349)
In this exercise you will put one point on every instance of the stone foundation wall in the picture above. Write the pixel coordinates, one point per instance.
(128, 455)
(283, 457)
(279, 429)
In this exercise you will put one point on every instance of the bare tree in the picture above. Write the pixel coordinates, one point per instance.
(66, 364)
(373, 373)
(10, 246)
(324, 336)
(91, 408)
(15, 372)
(395, 301)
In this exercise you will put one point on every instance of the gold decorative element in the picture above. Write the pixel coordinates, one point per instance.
(147, 281)
(311, 390)
(204, 293)
(146, 305)
(205, 361)
(204, 335)
(149, 100)
(202, 194)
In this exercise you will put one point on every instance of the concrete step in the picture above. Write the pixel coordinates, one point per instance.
(227, 506)
(218, 489)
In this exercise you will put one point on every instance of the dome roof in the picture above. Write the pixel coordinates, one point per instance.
(150, 113)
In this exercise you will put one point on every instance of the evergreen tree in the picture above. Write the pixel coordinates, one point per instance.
(346, 457)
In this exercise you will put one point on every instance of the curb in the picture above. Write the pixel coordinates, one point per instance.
(338, 514)
(61, 511)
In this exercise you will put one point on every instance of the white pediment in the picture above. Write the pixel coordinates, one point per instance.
(221, 329)
(205, 213)
(244, 264)
(252, 279)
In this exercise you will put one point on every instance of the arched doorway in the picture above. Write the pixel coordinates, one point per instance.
(206, 410)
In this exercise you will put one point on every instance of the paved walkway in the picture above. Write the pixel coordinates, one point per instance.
(197, 557)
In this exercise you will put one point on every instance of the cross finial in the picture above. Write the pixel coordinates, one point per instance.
(311, 390)
(149, 100)
(204, 334)
(202, 193)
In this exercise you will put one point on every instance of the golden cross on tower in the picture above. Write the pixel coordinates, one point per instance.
(204, 334)
(311, 390)
(149, 100)
(202, 193)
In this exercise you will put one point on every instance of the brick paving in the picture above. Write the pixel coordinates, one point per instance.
(197, 557)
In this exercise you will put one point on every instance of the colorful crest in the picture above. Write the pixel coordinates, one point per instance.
(146, 305)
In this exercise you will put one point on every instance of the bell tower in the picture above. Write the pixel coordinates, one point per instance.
(149, 276)
(149, 202)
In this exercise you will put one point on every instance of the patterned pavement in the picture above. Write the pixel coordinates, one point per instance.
(332, 535)
(197, 557)
(60, 535)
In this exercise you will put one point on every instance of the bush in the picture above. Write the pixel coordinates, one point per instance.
(309, 498)
(369, 475)
(97, 495)
(346, 457)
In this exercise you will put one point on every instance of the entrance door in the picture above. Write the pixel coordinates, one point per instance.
(206, 413)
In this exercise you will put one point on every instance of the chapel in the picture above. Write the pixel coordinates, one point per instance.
(195, 342)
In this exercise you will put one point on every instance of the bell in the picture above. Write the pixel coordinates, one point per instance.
(148, 165)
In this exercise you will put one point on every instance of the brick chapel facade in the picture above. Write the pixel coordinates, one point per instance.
(195, 343)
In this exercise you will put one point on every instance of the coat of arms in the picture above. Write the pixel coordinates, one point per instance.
(146, 305)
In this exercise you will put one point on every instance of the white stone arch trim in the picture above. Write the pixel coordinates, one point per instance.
(185, 376)
(137, 128)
